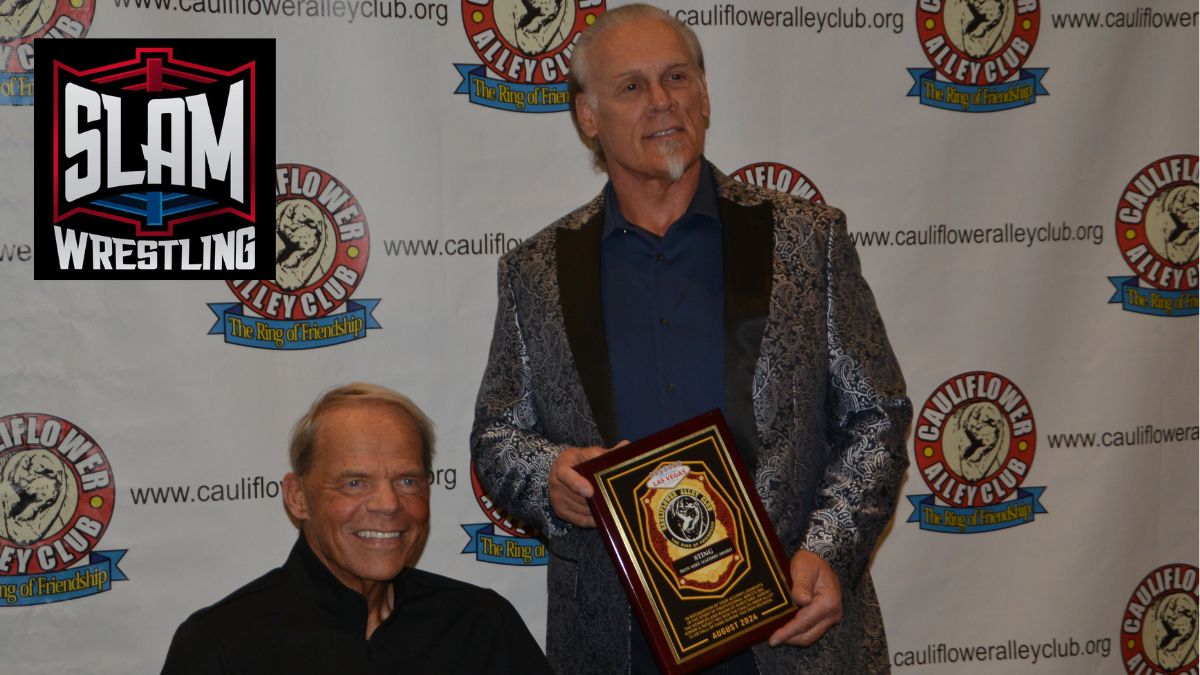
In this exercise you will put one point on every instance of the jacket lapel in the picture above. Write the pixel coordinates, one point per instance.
(578, 268)
(749, 248)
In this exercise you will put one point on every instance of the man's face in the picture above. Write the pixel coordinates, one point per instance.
(364, 504)
(646, 102)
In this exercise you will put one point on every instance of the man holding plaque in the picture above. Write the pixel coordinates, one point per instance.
(673, 292)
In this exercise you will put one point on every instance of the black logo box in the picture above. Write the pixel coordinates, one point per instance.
(191, 57)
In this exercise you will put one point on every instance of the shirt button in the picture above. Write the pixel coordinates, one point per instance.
(664, 321)
(661, 258)
(671, 388)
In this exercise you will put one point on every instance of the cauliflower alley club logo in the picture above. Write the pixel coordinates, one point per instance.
(1158, 630)
(22, 22)
(1157, 231)
(780, 177)
(978, 50)
(515, 544)
(321, 247)
(56, 500)
(974, 444)
(527, 45)
(150, 162)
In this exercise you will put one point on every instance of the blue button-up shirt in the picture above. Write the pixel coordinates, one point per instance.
(664, 314)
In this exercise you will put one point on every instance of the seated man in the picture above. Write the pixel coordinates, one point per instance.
(347, 600)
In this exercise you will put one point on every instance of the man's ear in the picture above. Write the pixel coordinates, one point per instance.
(585, 115)
(293, 497)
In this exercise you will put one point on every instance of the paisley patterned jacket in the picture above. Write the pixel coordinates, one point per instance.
(813, 393)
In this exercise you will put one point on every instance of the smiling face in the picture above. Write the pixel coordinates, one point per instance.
(364, 503)
(646, 102)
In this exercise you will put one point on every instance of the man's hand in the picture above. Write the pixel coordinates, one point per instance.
(815, 587)
(569, 490)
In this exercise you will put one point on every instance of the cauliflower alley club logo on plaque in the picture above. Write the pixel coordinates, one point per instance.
(696, 539)
(978, 50)
(1157, 232)
(779, 177)
(1159, 629)
(22, 22)
(974, 442)
(56, 500)
(515, 544)
(527, 45)
(149, 159)
(321, 247)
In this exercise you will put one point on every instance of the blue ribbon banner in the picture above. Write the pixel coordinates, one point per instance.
(1153, 301)
(512, 96)
(95, 576)
(1020, 92)
(972, 519)
(288, 334)
(16, 88)
(502, 549)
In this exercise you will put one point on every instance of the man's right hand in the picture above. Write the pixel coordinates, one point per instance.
(569, 491)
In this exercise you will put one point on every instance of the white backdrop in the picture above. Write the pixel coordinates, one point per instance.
(989, 238)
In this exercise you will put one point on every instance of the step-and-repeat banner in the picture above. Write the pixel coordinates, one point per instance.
(1020, 179)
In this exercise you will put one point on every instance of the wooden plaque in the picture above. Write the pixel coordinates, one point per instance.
(691, 542)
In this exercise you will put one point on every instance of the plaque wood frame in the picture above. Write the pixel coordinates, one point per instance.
(692, 544)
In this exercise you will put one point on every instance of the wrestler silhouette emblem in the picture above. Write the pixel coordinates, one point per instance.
(1169, 632)
(305, 244)
(979, 27)
(1171, 224)
(688, 520)
(38, 496)
(976, 438)
(22, 18)
(535, 26)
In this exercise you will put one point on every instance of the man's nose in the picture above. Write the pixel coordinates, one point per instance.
(385, 499)
(660, 99)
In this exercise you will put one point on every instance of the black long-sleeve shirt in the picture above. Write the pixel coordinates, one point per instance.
(299, 618)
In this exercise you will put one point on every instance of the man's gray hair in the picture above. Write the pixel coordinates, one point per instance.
(577, 77)
(304, 433)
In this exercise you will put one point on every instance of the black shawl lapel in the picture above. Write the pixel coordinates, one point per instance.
(749, 248)
(578, 263)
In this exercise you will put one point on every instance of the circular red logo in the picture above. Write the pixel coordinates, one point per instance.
(780, 177)
(321, 247)
(1158, 630)
(56, 494)
(978, 42)
(1157, 227)
(23, 22)
(528, 41)
(974, 439)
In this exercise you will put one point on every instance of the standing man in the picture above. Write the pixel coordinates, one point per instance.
(347, 600)
(675, 291)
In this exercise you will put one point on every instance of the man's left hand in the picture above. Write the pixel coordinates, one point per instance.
(815, 587)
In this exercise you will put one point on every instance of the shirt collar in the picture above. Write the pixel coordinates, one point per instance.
(328, 593)
(703, 204)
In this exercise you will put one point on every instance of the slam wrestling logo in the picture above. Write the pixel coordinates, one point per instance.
(149, 161)
(22, 22)
(779, 177)
(527, 45)
(56, 500)
(1157, 234)
(1158, 630)
(978, 50)
(321, 247)
(974, 444)
(515, 544)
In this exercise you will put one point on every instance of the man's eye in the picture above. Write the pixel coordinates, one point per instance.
(354, 483)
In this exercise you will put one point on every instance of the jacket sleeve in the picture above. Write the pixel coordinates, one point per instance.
(868, 416)
(512, 456)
